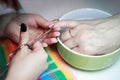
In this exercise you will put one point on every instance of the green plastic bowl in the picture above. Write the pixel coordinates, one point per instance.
(82, 61)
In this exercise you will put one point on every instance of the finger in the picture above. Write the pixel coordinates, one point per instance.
(75, 31)
(67, 23)
(78, 29)
(44, 44)
(35, 35)
(38, 49)
(24, 36)
(52, 23)
(76, 49)
(53, 34)
(25, 50)
(74, 23)
(50, 41)
(66, 35)
(42, 22)
(70, 43)
(56, 29)
(37, 46)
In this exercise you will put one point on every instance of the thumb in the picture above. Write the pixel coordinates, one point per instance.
(67, 23)
(38, 47)
(24, 36)
(42, 22)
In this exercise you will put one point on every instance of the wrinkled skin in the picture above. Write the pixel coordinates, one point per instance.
(92, 37)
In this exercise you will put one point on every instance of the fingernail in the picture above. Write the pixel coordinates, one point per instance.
(52, 25)
(23, 27)
(55, 20)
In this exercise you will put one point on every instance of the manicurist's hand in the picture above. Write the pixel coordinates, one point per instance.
(27, 64)
(36, 26)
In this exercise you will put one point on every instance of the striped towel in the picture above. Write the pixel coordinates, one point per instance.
(57, 68)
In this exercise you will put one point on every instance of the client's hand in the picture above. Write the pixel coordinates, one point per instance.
(92, 37)
(27, 64)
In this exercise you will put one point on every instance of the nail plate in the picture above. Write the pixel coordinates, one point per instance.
(23, 27)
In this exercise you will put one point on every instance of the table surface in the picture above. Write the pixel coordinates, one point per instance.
(54, 9)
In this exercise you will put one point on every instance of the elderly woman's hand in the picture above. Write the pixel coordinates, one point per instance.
(92, 37)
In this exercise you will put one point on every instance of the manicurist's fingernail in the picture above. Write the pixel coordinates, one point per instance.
(23, 27)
